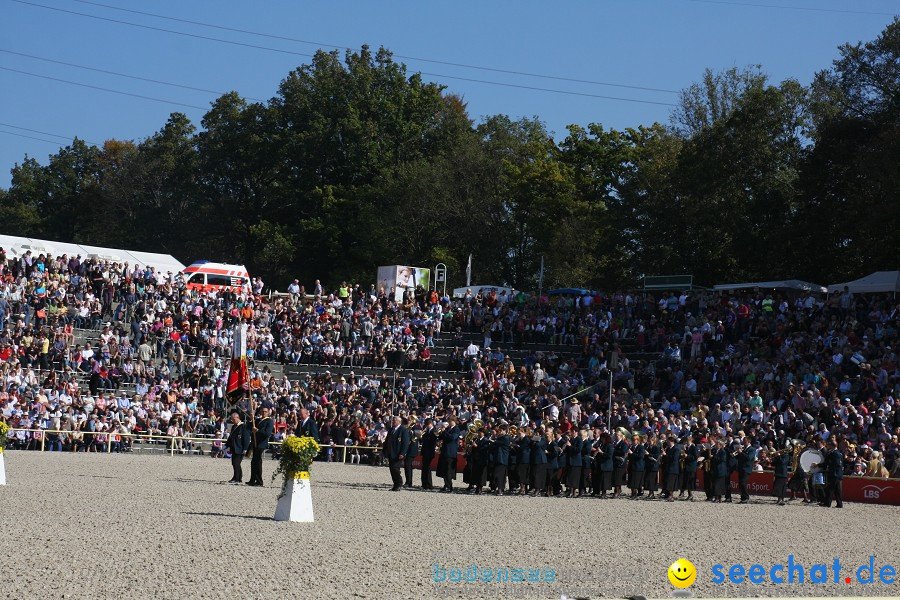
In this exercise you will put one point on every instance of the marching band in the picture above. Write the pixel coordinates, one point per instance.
(560, 461)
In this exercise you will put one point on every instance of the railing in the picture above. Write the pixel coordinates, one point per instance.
(170, 439)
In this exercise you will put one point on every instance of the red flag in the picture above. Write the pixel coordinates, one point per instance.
(238, 374)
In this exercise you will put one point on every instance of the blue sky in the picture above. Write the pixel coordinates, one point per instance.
(662, 44)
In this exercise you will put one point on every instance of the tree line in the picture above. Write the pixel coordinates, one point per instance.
(356, 163)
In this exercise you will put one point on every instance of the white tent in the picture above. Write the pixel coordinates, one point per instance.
(15, 246)
(879, 281)
(787, 284)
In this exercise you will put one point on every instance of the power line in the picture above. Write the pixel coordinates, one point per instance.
(807, 8)
(31, 137)
(540, 89)
(103, 89)
(177, 85)
(65, 137)
(401, 56)
(291, 52)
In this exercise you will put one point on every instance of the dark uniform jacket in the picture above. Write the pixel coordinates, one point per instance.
(239, 439)
(450, 437)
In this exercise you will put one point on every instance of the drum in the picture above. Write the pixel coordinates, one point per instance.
(812, 457)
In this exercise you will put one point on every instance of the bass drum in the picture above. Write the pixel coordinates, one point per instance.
(810, 458)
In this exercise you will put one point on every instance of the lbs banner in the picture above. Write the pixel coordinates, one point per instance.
(856, 489)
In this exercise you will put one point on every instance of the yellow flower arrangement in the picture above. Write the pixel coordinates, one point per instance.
(297, 454)
(4, 430)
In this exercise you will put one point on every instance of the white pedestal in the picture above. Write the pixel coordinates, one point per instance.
(296, 502)
(2, 469)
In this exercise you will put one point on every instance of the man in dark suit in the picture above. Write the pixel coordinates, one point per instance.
(501, 459)
(411, 454)
(689, 475)
(238, 443)
(449, 450)
(395, 448)
(428, 445)
(834, 475)
(265, 428)
(673, 469)
(745, 466)
(307, 426)
(734, 448)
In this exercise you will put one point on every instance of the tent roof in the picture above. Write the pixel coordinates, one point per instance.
(879, 281)
(161, 262)
(786, 284)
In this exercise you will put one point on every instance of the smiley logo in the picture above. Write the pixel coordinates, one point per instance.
(682, 573)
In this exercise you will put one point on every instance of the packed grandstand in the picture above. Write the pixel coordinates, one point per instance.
(91, 351)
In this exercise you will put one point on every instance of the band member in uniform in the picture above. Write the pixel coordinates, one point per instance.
(689, 472)
(734, 448)
(780, 464)
(500, 447)
(720, 470)
(478, 454)
(562, 464)
(636, 466)
(238, 443)
(411, 455)
(586, 462)
(651, 466)
(619, 465)
(395, 448)
(512, 470)
(745, 467)
(523, 459)
(834, 475)
(265, 428)
(709, 476)
(673, 469)
(449, 451)
(552, 463)
(428, 443)
(603, 462)
(572, 450)
(539, 464)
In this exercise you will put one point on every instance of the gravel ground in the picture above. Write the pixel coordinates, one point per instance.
(100, 526)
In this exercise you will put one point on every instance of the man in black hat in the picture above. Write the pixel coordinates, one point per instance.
(238, 443)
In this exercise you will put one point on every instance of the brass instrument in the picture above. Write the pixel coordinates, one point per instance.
(797, 446)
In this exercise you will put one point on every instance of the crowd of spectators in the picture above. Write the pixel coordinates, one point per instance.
(810, 366)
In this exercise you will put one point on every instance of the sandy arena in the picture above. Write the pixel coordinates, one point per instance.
(127, 526)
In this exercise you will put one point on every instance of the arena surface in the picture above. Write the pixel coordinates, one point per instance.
(126, 526)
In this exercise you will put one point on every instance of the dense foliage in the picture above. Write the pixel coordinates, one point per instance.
(355, 163)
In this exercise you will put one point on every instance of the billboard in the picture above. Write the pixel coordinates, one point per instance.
(402, 277)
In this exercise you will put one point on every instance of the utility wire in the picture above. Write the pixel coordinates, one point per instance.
(808, 8)
(177, 85)
(307, 55)
(103, 89)
(65, 137)
(31, 137)
(401, 56)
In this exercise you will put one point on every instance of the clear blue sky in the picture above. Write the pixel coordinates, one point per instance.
(662, 44)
